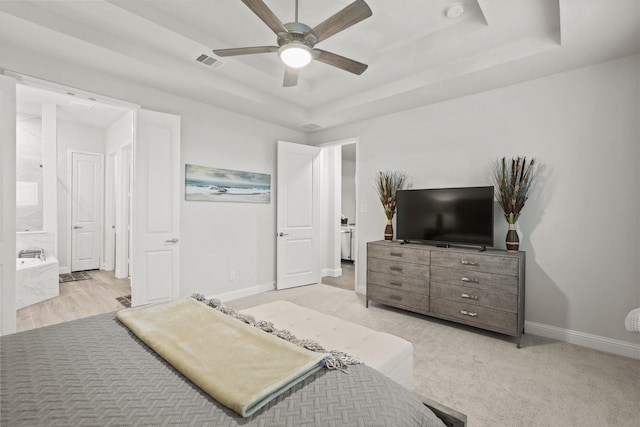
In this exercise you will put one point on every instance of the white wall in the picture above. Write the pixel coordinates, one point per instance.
(71, 137)
(219, 237)
(580, 228)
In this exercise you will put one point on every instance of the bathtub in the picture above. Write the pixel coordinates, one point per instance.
(36, 280)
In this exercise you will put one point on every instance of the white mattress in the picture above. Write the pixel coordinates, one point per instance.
(389, 354)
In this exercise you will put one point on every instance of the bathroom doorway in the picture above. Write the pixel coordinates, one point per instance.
(345, 233)
(70, 135)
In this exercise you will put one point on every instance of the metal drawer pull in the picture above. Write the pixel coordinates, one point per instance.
(468, 313)
(396, 254)
(395, 283)
(467, 296)
(468, 262)
(395, 297)
(470, 280)
(398, 269)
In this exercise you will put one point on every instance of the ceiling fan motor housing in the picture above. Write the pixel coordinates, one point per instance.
(297, 33)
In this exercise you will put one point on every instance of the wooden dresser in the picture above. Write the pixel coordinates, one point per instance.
(481, 289)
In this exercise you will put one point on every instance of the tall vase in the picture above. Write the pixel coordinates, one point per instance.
(512, 240)
(388, 231)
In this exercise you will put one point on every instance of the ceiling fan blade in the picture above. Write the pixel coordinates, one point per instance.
(266, 15)
(341, 62)
(350, 15)
(290, 77)
(245, 50)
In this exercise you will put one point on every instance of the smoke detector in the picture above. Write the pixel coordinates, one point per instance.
(454, 11)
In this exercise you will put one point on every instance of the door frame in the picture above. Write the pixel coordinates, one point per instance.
(123, 216)
(7, 204)
(110, 209)
(70, 154)
(331, 193)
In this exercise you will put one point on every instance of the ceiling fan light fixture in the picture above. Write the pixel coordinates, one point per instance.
(295, 55)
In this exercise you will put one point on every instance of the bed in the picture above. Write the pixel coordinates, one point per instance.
(94, 371)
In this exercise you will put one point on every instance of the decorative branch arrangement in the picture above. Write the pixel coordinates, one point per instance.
(387, 185)
(513, 180)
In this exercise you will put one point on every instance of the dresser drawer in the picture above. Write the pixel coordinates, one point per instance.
(475, 315)
(474, 296)
(395, 252)
(396, 268)
(414, 302)
(475, 279)
(398, 282)
(503, 264)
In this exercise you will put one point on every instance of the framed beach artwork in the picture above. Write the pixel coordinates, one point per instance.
(208, 184)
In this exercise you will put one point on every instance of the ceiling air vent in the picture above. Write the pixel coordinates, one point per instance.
(210, 61)
(311, 126)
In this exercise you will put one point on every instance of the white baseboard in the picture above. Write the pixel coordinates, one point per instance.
(245, 292)
(595, 342)
(331, 272)
(64, 270)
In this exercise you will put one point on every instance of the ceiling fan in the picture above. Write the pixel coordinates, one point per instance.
(296, 41)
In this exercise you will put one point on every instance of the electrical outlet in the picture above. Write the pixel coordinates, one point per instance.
(232, 275)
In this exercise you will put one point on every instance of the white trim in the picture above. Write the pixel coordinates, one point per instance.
(245, 292)
(337, 272)
(64, 89)
(354, 256)
(64, 270)
(595, 342)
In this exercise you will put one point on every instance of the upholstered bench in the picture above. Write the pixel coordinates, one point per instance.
(389, 354)
(632, 321)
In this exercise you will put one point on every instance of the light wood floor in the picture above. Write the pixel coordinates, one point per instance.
(346, 281)
(78, 299)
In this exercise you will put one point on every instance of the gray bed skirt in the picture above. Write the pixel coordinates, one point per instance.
(94, 372)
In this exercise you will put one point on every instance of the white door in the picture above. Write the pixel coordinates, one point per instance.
(298, 216)
(7, 205)
(155, 263)
(86, 211)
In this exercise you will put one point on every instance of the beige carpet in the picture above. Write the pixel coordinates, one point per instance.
(484, 375)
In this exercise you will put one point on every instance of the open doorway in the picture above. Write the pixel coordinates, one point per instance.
(70, 199)
(341, 240)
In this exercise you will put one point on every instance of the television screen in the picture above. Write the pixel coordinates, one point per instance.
(446, 215)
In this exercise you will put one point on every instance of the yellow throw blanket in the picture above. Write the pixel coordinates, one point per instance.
(238, 365)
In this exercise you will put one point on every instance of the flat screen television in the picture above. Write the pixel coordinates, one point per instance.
(445, 216)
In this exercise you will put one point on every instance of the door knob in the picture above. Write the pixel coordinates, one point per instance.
(75, 227)
(174, 240)
(283, 234)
